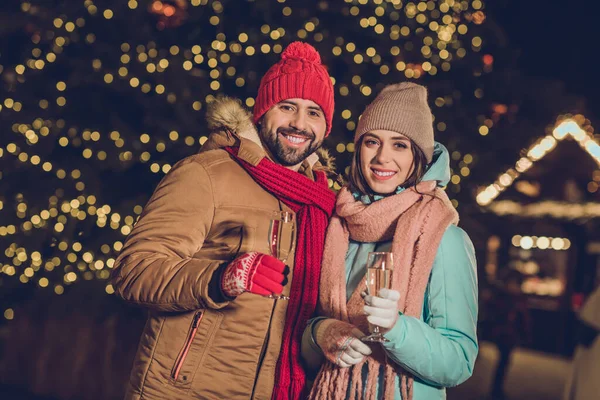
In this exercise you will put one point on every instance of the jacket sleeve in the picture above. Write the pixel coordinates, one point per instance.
(156, 268)
(310, 351)
(442, 350)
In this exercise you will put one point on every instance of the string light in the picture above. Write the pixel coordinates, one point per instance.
(542, 242)
(410, 41)
(565, 127)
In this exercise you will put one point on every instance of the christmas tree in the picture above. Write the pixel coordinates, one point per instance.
(100, 99)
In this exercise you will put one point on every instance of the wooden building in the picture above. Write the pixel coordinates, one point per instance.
(543, 217)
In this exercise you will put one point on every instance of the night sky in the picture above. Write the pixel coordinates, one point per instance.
(556, 40)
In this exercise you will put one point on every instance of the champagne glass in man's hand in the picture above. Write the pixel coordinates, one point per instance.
(259, 273)
(281, 238)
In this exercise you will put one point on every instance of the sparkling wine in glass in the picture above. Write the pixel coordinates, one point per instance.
(282, 239)
(379, 276)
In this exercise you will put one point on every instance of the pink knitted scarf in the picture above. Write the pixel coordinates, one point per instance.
(415, 221)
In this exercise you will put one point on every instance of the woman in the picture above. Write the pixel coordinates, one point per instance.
(394, 202)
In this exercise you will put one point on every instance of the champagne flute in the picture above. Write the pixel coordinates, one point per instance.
(282, 239)
(379, 276)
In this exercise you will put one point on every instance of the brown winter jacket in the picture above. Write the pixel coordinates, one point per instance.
(205, 212)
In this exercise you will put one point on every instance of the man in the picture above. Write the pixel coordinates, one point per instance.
(198, 258)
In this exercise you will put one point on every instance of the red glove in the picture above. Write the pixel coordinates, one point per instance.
(253, 272)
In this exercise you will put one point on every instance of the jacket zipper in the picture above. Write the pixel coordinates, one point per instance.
(188, 343)
(263, 351)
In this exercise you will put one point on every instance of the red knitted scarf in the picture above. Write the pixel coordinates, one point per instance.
(313, 204)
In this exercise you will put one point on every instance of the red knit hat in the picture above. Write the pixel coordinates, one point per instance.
(299, 74)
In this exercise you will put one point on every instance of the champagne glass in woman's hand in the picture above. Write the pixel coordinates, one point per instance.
(379, 276)
(282, 238)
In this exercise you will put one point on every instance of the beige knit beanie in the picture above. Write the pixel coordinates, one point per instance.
(401, 108)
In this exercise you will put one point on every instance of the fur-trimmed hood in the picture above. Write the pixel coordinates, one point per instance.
(230, 122)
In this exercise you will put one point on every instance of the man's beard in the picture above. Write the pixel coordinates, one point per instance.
(284, 155)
